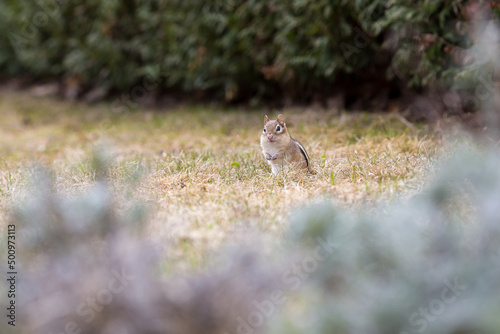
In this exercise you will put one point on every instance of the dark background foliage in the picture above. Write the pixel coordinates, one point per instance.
(250, 51)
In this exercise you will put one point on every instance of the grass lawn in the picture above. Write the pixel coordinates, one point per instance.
(203, 175)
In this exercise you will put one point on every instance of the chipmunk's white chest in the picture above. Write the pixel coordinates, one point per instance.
(269, 147)
(273, 148)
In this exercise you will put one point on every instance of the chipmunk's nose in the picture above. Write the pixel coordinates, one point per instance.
(270, 137)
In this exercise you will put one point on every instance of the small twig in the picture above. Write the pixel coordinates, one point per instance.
(406, 122)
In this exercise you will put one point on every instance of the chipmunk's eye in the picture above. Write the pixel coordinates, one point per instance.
(278, 128)
(264, 130)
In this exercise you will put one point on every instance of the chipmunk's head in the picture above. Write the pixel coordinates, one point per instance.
(274, 130)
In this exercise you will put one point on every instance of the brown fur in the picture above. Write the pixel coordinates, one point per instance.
(279, 148)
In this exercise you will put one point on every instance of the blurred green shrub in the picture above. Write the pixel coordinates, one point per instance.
(237, 49)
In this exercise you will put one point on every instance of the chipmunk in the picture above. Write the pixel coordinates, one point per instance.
(279, 148)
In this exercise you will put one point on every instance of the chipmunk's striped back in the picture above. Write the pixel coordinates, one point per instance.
(302, 150)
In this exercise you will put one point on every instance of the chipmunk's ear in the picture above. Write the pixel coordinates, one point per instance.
(266, 119)
(281, 119)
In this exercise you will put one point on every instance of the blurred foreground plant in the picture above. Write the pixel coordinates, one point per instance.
(85, 268)
(429, 265)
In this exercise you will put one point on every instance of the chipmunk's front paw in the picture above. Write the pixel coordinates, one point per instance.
(268, 156)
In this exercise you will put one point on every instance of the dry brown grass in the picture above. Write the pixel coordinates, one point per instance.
(204, 177)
